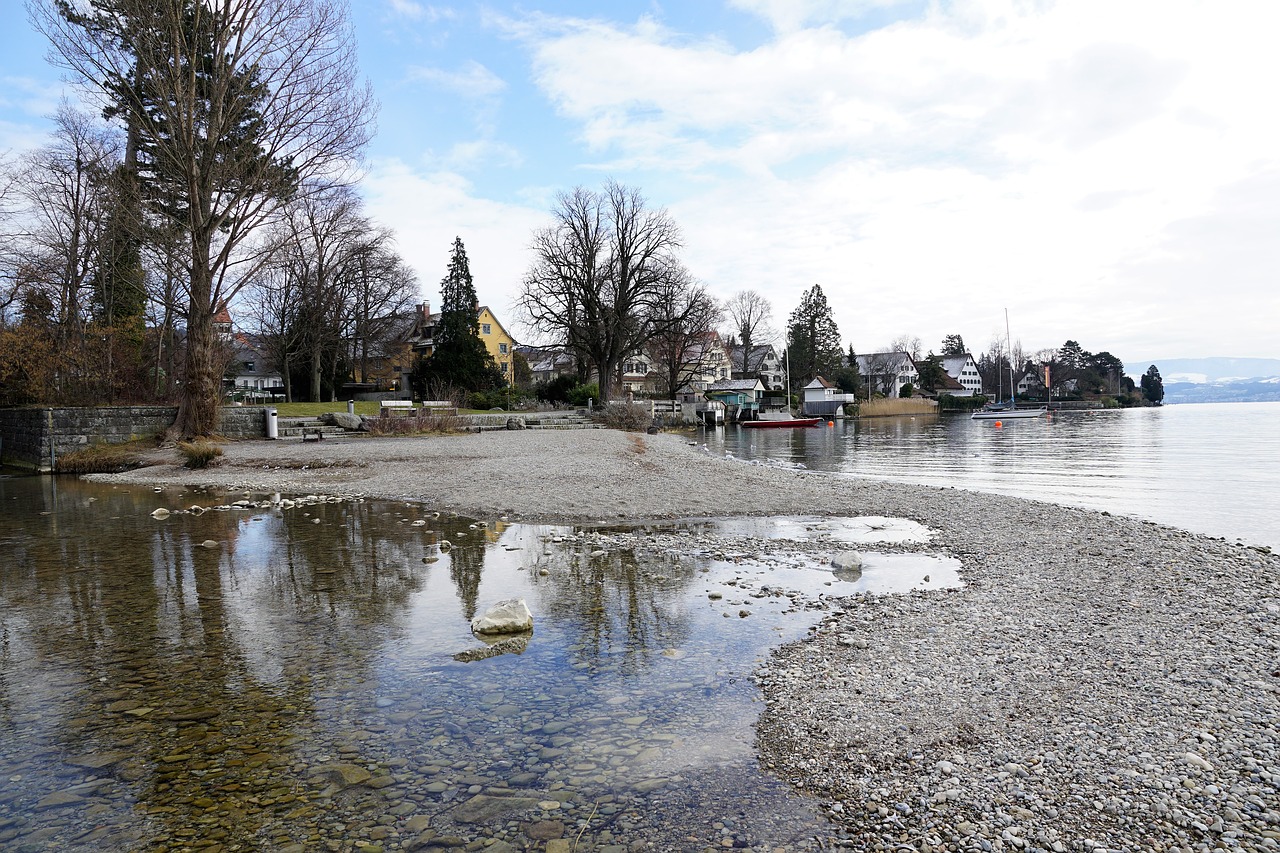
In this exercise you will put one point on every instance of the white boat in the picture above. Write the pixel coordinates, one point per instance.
(1008, 410)
(1008, 414)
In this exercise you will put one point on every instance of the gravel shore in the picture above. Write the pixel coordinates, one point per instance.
(1099, 683)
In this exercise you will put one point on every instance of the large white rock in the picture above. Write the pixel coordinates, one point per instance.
(846, 560)
(506, 617)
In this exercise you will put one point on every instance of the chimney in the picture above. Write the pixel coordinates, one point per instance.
(424, 311)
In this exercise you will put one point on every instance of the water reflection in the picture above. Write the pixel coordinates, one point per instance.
(277, 677)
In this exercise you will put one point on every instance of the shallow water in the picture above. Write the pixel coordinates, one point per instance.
(267, 678)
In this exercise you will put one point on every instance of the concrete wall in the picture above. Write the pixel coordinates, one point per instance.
(33, 437)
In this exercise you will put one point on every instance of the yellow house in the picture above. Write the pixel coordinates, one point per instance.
(497, 340)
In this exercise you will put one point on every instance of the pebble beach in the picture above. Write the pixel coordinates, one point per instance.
(1097, 683)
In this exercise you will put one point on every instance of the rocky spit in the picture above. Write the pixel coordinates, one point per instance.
(1098, 683)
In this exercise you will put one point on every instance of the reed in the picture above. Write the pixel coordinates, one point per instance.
(890, 406)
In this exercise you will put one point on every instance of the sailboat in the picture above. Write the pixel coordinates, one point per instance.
(1003, 411)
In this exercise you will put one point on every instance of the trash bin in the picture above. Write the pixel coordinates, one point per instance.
(273, 426)
(351, 407)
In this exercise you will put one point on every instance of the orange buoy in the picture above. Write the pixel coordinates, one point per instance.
(999, 424)
(831, 423)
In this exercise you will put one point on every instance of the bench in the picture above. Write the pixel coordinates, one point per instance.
(312, 433)
(438, 407)
(396, 407)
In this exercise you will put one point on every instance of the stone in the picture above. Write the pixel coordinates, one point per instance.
(341, 419)
(507, 646)
(343, 774)
(516, 423)
(545, 830)
(846, 561)
(483, 808)
(59, 798)
(160, 513)
(511, 616)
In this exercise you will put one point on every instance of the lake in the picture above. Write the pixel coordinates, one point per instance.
(1212, 468)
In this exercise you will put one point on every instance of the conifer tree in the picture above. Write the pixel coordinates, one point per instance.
(813, 341)
(459, 359)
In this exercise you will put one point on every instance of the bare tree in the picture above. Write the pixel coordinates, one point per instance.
(333, 283)
(750, 314)
(910, 344)
(600, 275)
(61, 191)
(233, 105)
(687, 321)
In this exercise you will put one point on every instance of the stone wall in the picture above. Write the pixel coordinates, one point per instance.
(33, 437)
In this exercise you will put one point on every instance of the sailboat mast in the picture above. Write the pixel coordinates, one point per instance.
(1013, 397)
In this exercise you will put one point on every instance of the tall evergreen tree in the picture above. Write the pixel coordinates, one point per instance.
(813, 341)
(953, 345)
(459, 359)
(1152, 385)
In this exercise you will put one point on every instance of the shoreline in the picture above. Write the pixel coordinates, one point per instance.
(1098, 683)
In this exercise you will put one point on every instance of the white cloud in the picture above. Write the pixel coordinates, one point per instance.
(428, 209)
(1043, 157)
(472, 80)
(790, 15)
(420, 12)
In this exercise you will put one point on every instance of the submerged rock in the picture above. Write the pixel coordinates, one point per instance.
(506, 646)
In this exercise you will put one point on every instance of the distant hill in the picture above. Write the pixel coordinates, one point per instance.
(1214, 380)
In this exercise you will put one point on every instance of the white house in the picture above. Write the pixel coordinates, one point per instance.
(823, 398)
(764, 361)
(249, 377)
(886, 372)
(963, 369)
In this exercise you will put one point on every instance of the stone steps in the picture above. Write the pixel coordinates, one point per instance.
(294, 428)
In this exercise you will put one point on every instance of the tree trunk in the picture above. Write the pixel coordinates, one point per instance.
(198, 402)
(315, 375)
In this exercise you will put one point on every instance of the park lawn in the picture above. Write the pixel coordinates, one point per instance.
(310, 410)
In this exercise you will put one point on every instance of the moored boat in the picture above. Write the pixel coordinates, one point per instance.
(1008, 414)
(782, 422)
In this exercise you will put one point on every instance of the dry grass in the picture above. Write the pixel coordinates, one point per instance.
(103, 458)
(889, 406)
(199, 454)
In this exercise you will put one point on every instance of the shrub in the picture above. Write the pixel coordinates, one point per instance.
(557, 390)
(199, 454)
(631, 417)
(581, 395)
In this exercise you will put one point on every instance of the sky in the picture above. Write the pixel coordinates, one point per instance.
(1107, 172)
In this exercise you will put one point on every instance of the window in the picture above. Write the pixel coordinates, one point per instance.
(505, 366)
(486, 329)
(502, 348)
(248, 367)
